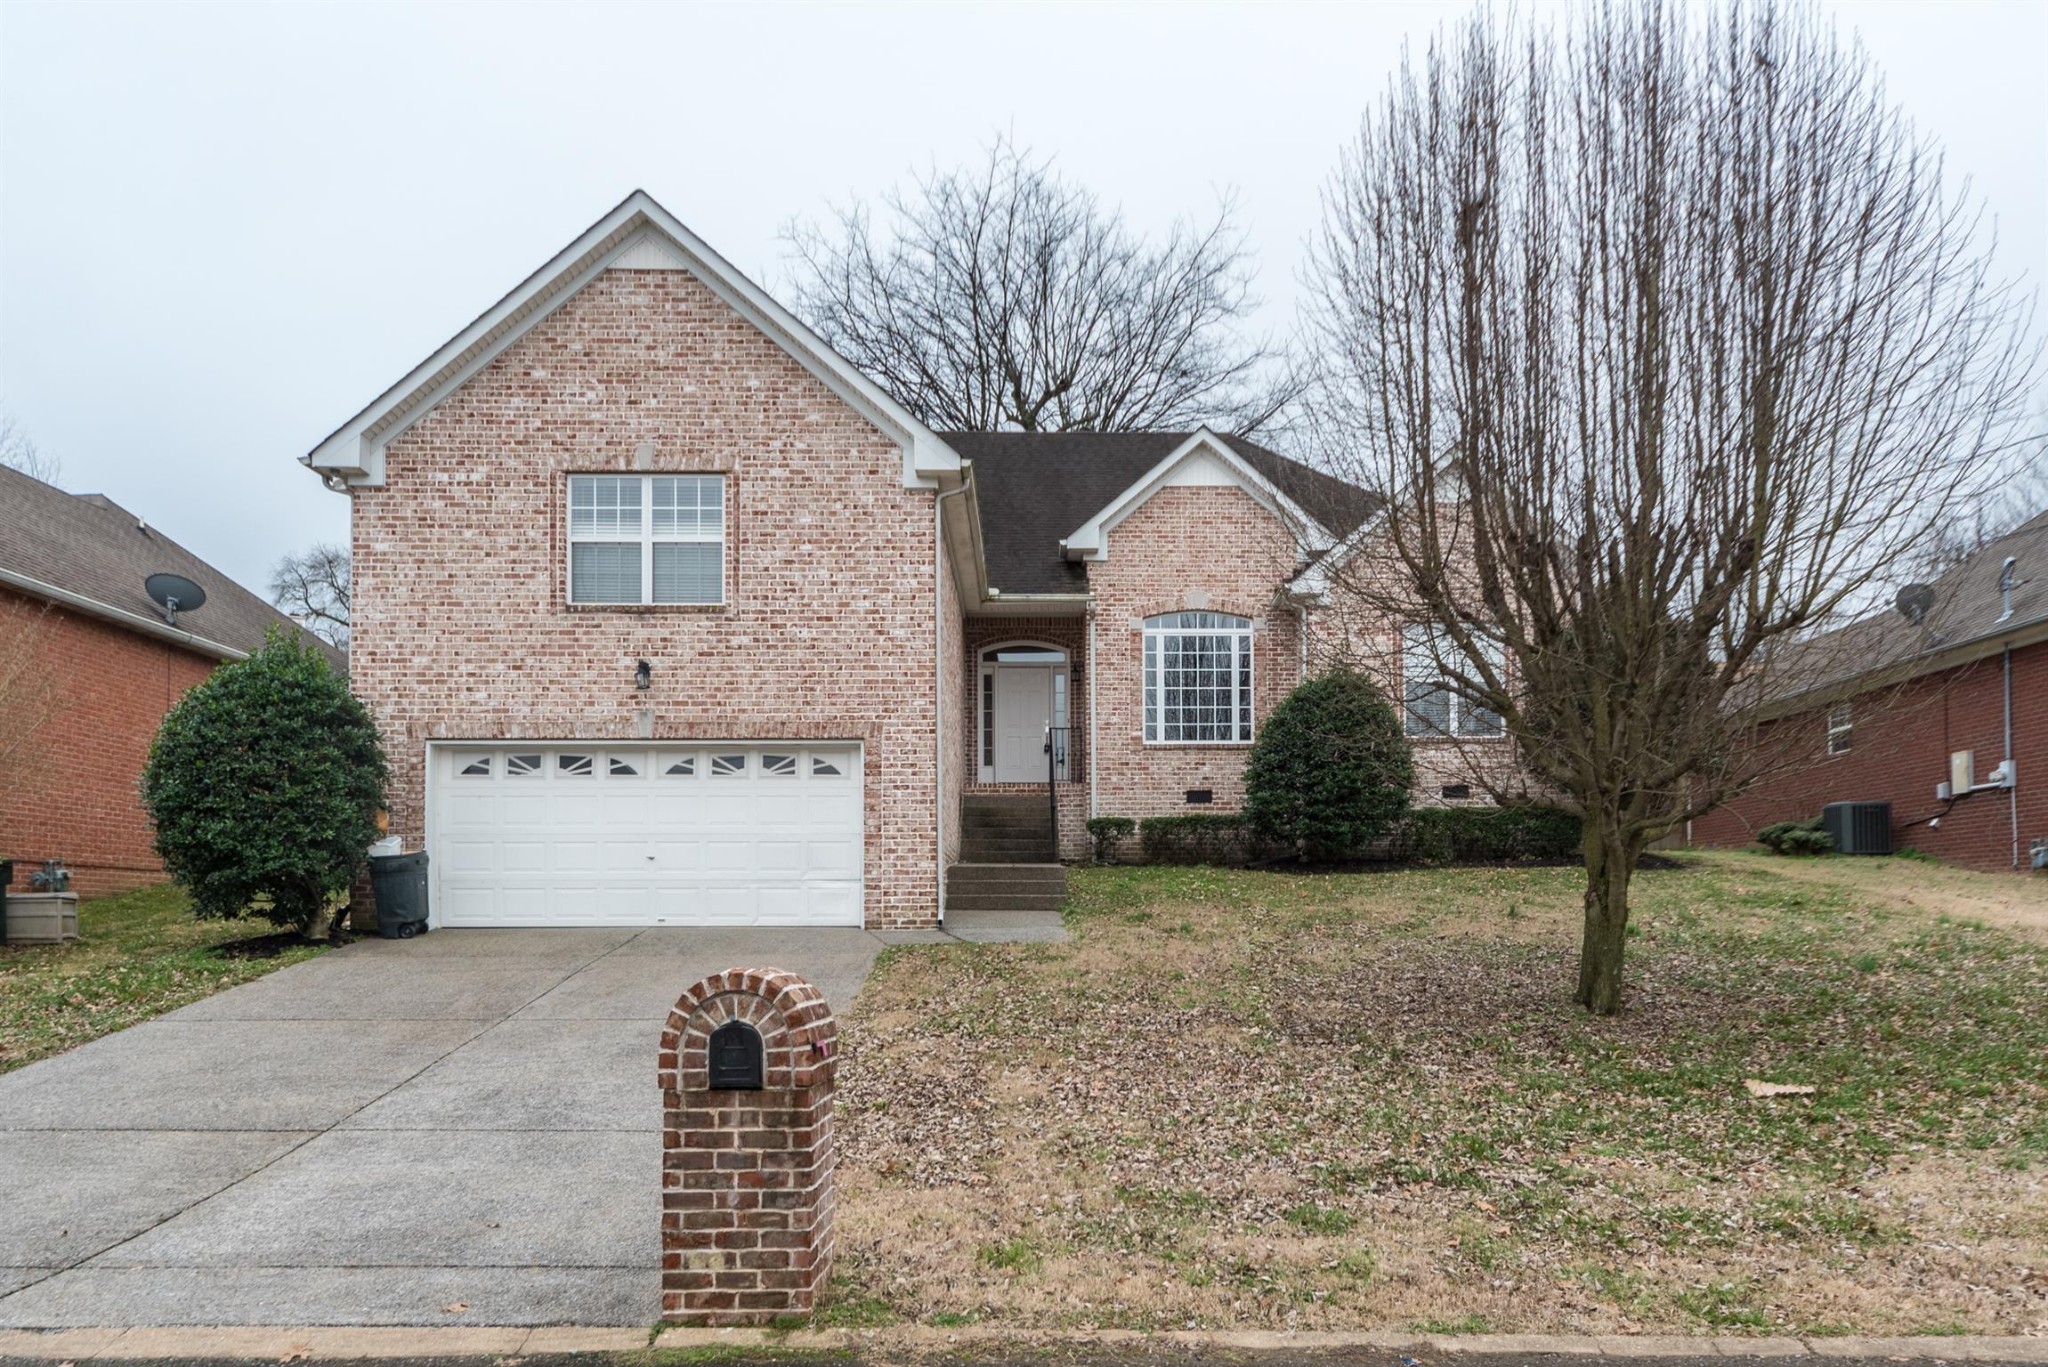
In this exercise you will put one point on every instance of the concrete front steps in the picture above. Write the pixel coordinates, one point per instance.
(1006, 828)
(1005, 887)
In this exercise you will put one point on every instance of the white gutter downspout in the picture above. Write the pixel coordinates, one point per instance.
(939, 682)
(1093, 810)
(2012, 774)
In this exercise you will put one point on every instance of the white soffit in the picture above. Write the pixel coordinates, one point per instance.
(636, 235)
(1204, 460)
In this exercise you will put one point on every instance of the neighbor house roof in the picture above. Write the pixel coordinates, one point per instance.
(87, 552)
(1036, 488)
(1965, 621)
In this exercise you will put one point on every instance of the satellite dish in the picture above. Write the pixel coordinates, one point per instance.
(1914, 601)
(174, 593)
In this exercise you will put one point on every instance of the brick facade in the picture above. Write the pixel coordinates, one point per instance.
(1212, 548)
(746, 1176)
(1899, 748)
(72, 793)
(462, 629)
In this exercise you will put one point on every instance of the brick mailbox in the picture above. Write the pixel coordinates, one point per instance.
(747, 1062)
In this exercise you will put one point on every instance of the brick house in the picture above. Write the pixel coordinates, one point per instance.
(669, 615)
(1922, 714)
(88, 667)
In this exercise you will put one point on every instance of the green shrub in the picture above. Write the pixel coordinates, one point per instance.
(1197, 838)
(1796, 837)
(264, 783)
(1108, 832)
(1489, 835)
(1331, 770)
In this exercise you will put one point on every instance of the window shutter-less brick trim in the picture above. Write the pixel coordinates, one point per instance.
(746, 1180)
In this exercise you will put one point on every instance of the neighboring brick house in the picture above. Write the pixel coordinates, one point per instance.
(670, 616)
(88, 667)
(1894, 702)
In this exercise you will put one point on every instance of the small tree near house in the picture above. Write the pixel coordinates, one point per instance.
(1668, 343)
(264, 783)
(1331, 770)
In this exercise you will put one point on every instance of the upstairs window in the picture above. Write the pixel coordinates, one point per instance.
(1432, 708)
(1841, 728)
(1198, 679)
(647, 539)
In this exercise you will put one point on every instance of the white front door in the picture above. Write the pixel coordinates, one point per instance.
(1023, 710)
(616, 833)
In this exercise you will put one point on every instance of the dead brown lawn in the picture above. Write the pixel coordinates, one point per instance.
(1254, 1100)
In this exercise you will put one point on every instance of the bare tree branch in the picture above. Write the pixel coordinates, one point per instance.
(29, 694)
(1667, 342)
(1002, 297)
(18, 451)
(313, 589)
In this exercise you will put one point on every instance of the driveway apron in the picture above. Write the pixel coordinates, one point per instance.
(457, 1129)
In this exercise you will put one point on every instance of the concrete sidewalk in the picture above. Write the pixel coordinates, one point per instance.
(461, 1128)
(1108, 1348)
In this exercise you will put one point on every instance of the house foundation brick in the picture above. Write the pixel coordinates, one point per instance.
(746, 1182)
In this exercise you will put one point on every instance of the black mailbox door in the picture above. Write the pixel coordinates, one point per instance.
(735, 1058)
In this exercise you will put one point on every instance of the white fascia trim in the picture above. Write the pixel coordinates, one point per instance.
(134, 621)
(355, 451)
(1312, 585)
(1090, 541)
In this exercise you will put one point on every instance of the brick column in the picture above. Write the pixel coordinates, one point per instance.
(746, 1181)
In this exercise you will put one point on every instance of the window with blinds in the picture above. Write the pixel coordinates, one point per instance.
(647, 539)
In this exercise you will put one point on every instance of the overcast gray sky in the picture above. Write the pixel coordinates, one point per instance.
(223, 230)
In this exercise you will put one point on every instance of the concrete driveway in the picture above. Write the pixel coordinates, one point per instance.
(458, 1129)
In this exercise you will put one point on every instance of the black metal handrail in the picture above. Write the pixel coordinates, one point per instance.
(1057, 739)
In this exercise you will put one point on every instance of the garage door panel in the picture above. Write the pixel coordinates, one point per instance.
(718, 834)
(838, 859)
(572, 856)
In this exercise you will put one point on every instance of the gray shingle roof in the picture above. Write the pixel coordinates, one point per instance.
(1966, 610)
(1035, 488)
(89, 545)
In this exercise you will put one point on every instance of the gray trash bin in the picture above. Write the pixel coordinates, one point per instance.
(400, 882)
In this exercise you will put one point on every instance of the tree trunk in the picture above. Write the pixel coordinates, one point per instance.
(1610, 863)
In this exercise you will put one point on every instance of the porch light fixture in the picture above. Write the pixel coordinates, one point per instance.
(643, 675)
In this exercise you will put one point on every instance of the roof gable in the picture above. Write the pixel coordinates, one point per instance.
(1202, 459)
(636, 235)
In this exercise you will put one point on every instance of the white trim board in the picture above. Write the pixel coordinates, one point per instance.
(1204, 459)
(636, 235)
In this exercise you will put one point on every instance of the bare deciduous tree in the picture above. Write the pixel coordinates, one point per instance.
(1665, 339)
(29, 694)
(1002, 297)
(312, 589)
(18, 451)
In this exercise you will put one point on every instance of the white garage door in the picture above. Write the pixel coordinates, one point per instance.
(727, 834)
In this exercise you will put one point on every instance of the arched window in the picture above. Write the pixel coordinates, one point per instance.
(1198, 679)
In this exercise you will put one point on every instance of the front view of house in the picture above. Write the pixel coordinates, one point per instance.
(670, 617)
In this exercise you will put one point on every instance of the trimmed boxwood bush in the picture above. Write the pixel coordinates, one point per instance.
(264, 783)
(1797, 837)
(1331, 770)
(1196, 838)
(1489, 835)
(1108, 832)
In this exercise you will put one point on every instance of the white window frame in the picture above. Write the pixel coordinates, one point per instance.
(1152, 666)
(1841, 729)
(647, 539)
(1420, 658)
